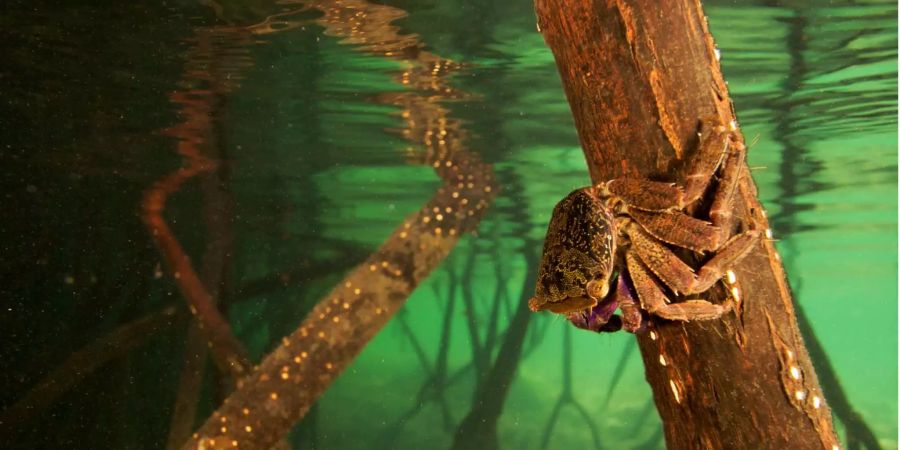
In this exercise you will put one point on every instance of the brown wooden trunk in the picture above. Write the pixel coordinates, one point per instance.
(639, 74)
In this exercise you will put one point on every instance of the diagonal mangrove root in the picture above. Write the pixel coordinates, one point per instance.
(289, 380)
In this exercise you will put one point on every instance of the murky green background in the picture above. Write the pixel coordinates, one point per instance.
(315, 171)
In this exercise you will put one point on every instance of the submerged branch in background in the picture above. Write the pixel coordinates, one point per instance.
(480, 355)
(190, 381)
(479, 428)
(500, 297)
(224, 55)
(857, 430)
(436, 379)
(566, 397)
(293, 376)
(617, 372)
(83, 363)
(211, 76)
(638, 82)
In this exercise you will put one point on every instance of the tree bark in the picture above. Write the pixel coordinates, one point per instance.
(639, 75)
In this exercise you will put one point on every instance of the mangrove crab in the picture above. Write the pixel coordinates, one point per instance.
(623, 226)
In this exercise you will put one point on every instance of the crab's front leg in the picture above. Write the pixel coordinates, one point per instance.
(655, 302)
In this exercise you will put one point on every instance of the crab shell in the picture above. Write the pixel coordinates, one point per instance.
(578, 254)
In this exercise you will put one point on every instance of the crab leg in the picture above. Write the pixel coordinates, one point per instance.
(678, 275)
(631, 312)
(733, 251)
(713, 147)
(720, 211)
(644, 194)
(664, 264)
(659, 196)
(655, 302)
(679, 229)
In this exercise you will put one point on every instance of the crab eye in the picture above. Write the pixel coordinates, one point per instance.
(604, 289)
(598, 289)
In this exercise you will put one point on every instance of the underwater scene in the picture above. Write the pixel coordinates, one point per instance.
(260, 164)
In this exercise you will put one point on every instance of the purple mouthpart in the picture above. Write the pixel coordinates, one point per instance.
(600, 318)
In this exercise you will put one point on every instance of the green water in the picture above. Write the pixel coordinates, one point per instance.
(314, 172)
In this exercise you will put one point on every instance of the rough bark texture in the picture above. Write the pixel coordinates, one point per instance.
(639, 75)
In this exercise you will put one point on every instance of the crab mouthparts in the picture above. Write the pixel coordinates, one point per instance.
(570, 304)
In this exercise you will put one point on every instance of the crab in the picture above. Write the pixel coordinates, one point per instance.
(620, 231)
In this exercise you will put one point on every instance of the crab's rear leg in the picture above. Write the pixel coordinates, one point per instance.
(679, 229)
(714, 145)
(644, 194)
(659, 196)
(655, 302)
(722, 205)
(678, 275)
